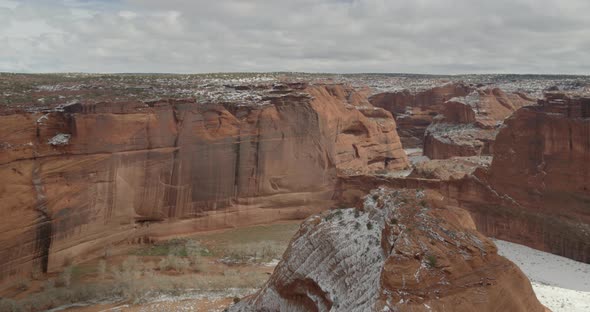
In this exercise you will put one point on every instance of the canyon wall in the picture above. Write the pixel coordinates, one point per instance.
(468, 125)
(537, 190)
(414, 110)
(79, 179)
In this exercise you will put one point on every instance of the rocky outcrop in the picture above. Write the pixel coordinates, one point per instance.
(394, 253)
(414, 111)
(449, 169)
(468, 125)
(365, 137)
(537, 190)
(445, 140)
(484, 107)
(78, 179)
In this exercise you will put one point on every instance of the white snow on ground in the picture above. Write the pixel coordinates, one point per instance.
(410, 151)
(560, 283)
(561, 299)
(415, 155)
(546, 268)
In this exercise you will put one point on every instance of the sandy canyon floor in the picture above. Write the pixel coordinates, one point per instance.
(561, 284)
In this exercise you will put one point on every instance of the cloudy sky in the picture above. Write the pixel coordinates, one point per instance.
(194, 36)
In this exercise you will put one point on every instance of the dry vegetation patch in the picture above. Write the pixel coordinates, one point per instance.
(219, 263)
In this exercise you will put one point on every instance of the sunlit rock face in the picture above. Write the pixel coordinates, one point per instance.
(78, 179)
(393, 253)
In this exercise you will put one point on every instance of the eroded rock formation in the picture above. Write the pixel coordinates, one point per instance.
(79, 179)
(414, 111)
(394, 253)
(468, 125)
(445, 140)
(537, 190)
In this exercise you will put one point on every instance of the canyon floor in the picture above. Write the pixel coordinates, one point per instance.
(225, 265)
(561, 284)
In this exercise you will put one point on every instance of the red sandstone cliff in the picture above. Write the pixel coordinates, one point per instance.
(80, 179)
(414, 111)
(537, 190)
(394, 253)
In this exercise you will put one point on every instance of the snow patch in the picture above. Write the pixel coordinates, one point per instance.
(561, 284)
(60, 139)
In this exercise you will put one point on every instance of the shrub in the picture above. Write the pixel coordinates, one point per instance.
(54, 297)
(134, 291)
(37, 273)
(107, 252)
(369, 226)
(10, 305)
(116, 272)
(102, 268)
(174, 263)
(177, 248)
(381, 171)
(132, 264)
(253, 252)
(431, 261)
(65, 278)
(23, 285)
(196, 263)
(49, 285)
(193, 247)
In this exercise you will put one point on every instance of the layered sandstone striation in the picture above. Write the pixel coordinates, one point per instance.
(394, 253)
(537, 189)
(82, 177)
(414, 111)
(468, 125)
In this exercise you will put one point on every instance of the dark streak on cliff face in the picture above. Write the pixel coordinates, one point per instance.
(171, 193)
(43, 242)
(44, 222)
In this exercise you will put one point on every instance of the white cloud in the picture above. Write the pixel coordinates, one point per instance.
(10, 4)
(426, 36)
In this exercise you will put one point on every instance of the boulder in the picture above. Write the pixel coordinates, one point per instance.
(398, 251)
